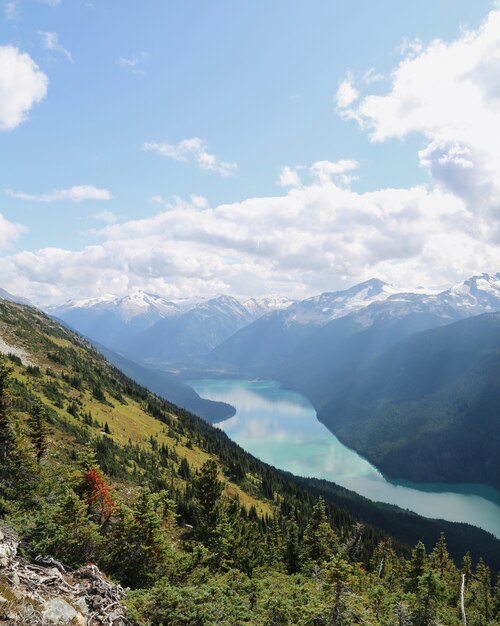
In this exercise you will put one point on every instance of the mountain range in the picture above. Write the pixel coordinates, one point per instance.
(340, 349)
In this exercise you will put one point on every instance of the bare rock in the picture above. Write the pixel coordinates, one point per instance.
(58, 611)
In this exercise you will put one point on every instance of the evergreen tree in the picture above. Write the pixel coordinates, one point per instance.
(137, 545)
(429, 593)
(16, 471)
(7, 433)
(416, 567)
(319, 540)
(207, 490)
(291, 548)
(76, 538)
(184, 470)
(38, 431)
(338, 575)
(483, 582)
(440, 558)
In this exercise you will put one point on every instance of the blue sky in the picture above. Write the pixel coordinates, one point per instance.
(255, 84)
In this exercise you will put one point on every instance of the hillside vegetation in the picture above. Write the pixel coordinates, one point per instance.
(95, 468)
(428, 408)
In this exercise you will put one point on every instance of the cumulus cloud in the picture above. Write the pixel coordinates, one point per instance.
(22, 84)
(289, 177)
(448, 92)
(346, 93)
(313, 238)
(324, 170)
(321, 235)
(192, 150)
(9, 232)
(50, 41)
(78, 193)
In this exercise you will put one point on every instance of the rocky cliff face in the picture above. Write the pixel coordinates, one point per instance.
(45, 593)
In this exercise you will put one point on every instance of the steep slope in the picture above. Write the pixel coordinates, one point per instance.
(169, 387)
(330, 357)
(283, 338)
(427, 409)
(141, 439)
(263, 345)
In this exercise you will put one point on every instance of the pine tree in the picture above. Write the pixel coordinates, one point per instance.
(337, 574)
(440, 558)
(76, 539)
(319, 541)
(7, 430)
(207, 490)
(429, 593)
(38, 431)
(416, 567)
(483, 581)
(16, 471)
(291, 548)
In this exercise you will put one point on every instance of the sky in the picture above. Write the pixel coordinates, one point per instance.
(193, 148)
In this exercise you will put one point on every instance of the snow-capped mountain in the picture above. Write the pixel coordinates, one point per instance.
(126, 307)
(476, 295)
(108, 319)
(328, 306)
(285, 335)
(192, 334)
(260, 306)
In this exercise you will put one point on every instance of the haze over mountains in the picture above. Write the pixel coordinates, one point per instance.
(354, 353)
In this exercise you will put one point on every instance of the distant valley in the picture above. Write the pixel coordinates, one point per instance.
(356, 354)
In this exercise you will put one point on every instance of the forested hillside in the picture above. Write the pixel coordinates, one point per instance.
(95, 468)
(427, 409)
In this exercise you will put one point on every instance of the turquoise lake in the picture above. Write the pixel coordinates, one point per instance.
(280, 427)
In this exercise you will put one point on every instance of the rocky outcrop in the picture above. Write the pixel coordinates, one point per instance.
(45, 593)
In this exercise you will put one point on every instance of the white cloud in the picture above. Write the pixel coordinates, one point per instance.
(448, 92)
(50, 41)
(289, 177)
(9, 232)
(346, 93)
(78, 193)
(321, 235)
(313, 238)
(133, 63)
(372, 76)
(325, 170)
(108, 217)
(194, 150)
(22, 84)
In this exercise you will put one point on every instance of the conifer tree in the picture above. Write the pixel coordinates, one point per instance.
(440, 558)
(319, 539)
(291, 548)
(338, 573)
(7, 430)
(207, 490)
(428, 595)
(483, 581)
(416, 566)
(38, 431)
(76, 538)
